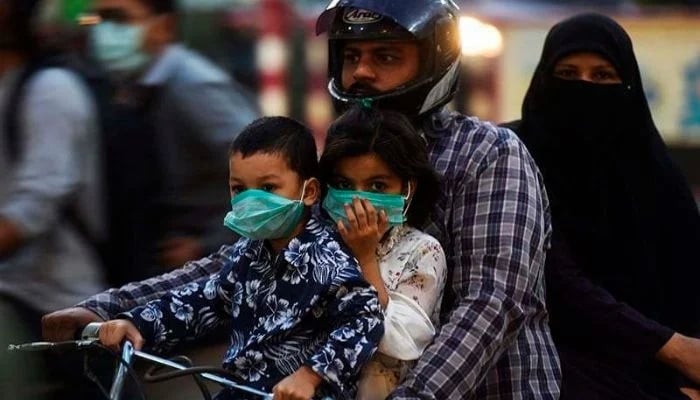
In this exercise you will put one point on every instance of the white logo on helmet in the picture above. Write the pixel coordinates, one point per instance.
(360, 16)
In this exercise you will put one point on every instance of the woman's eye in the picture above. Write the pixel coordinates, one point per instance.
(605, 76)
(378, 186)
(236, 189)
(267, 188)
(565, 73)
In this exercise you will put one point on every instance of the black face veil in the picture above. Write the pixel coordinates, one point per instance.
(617, 198)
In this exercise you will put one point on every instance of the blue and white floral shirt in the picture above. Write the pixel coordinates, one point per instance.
(307, 306)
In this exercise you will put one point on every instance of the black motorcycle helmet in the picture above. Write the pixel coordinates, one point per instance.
(432, 23)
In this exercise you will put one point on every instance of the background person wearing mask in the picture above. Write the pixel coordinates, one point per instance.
(49, 169)
(623, 270)
(173, 114)
(491, 214)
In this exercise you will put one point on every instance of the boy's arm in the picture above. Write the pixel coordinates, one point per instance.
(186, 313)
(357, 329)
(499, 231)
(114, 301)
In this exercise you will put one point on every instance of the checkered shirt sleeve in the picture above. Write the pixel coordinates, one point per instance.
(493, 222)
(114, 301)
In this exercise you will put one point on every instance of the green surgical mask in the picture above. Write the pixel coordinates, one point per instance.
(258, 215)
(117, 47)
(394, 205)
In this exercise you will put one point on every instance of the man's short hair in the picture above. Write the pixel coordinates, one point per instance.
(280, 135)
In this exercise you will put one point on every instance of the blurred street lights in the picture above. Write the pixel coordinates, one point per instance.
(482, 44)
(479, 39)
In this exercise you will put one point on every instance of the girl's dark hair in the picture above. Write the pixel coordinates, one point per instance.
(280, 135)
(392, 137)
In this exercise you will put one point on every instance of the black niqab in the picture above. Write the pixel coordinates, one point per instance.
(617, 198)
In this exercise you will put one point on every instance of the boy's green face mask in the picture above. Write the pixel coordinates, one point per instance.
(393, 204)
(258, 215)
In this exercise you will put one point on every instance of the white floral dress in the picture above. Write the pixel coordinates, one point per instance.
(414, 271)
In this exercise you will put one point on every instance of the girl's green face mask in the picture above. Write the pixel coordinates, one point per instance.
(394, 205)
(258, 215)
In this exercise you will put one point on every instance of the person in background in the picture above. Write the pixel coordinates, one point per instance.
(49, 190)
(623, 268)
(303, 320)
(379, 186)
(172, 116)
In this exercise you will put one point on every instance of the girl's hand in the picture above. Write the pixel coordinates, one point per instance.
(114, 332)
(300, 385)
(364, 229)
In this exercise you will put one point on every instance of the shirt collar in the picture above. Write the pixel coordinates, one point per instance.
(438, 124)
(162, 68)
(313, 231)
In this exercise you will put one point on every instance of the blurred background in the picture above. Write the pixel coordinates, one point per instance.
(271, 47)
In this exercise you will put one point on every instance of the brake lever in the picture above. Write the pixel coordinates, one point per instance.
(43, 346)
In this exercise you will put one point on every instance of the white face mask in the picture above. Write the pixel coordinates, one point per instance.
(117, 47)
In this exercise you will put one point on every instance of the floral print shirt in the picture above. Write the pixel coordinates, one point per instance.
(307, 306)
(414, 270)
(413, 263)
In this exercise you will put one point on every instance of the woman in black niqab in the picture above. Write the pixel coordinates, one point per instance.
(624, 266)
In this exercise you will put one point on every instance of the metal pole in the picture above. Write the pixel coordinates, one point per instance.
(120, 375)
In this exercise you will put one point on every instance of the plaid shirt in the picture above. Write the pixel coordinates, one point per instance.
(492, 221)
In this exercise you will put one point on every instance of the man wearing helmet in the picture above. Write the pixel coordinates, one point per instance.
(491, 218)
(373, 56)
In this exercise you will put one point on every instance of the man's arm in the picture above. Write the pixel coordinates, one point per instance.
(186, 313)
(499, 230)
(62, 324)
(114, 301)
(580, 308)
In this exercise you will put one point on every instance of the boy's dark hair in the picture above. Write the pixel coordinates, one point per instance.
(161, 6)
(392, 137)
(280, 135)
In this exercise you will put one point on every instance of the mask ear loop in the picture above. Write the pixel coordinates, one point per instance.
(408, 199)
(303, 190)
